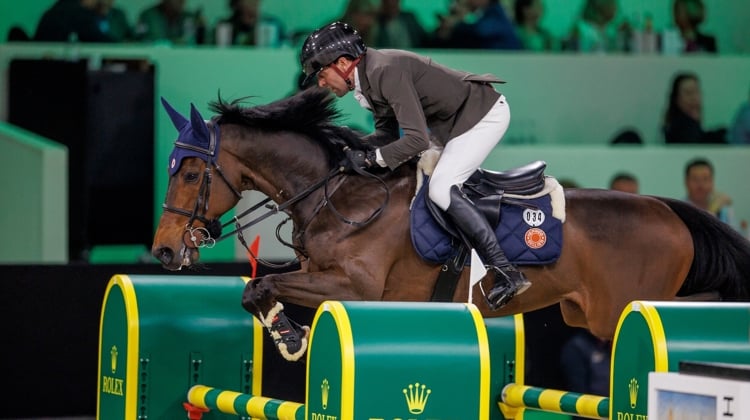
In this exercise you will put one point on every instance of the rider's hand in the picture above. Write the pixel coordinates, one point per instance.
(361, 158)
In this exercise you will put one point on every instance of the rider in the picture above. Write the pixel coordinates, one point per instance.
(415, 100)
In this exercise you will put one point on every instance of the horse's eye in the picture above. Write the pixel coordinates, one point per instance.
(191, 177)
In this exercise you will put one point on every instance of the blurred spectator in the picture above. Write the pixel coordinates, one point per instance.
(17, 33)
(627, 136)
(70, 20)
(250, 27)
(477, 24)
(397, 28)
(113, 21)
(362, 15)
(684, 115)
(527, 14)
(699, 184)
(625, 182)
(169, 21)
(568, 183)
(688, 15)
(739, 132)
(585, 362)
(596, 30)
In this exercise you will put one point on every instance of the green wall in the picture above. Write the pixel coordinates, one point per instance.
(557, 102)
(34, 211)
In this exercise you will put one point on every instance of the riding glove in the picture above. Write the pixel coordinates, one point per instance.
(361, 158)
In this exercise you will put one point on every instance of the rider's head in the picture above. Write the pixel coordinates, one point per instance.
(323, 51)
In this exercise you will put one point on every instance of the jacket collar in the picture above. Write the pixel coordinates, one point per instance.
(362, 74)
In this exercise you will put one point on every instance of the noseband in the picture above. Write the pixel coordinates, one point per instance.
(211, 229)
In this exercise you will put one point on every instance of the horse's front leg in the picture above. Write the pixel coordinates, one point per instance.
(262, 296)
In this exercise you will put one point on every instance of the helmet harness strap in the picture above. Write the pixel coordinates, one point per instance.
(345, 74)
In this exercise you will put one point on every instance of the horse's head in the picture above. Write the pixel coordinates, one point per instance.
(194, 202)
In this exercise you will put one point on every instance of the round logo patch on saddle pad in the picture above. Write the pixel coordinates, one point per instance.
(535, 238)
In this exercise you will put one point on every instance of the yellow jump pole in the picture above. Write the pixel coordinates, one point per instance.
(231, 402)
(573, 403)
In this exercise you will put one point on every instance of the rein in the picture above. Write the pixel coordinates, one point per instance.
(275, 208)
(325, 202)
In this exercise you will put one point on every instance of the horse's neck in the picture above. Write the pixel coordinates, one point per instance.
(281, 164)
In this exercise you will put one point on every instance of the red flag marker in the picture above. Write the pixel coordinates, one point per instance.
(252, 255)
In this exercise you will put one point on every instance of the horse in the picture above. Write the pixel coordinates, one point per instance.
(351, 228)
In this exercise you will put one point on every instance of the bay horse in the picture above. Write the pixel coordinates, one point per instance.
(352, 236)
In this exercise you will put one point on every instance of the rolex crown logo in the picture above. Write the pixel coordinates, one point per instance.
(324, 388)
(633, 390)
(416, 397)
(113, 360)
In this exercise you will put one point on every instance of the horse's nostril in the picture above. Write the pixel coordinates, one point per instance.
(164, 255)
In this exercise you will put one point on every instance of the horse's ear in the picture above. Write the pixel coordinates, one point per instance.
(198, 123)
(177, 119)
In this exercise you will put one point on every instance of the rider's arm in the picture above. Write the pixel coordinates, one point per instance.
(398, 89)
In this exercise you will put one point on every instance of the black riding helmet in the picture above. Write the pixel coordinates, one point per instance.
(326, 45)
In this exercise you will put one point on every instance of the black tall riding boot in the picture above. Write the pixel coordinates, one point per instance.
(479, 234)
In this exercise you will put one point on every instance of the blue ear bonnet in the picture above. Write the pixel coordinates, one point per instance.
(194, 140)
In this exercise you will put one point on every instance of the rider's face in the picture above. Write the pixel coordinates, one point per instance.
(331, 79)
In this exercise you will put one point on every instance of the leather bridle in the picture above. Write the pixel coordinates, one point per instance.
(211, 229)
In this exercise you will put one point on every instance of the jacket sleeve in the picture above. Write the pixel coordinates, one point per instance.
(402, 97)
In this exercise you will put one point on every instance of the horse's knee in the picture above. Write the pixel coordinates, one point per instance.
(250, 295)
(258, 295)
(247, 299)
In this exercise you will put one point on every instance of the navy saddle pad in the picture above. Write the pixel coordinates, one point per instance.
(529, 236)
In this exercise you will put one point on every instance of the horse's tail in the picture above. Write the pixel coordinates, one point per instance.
(722, 255)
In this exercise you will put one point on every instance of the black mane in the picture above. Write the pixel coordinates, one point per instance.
(311, 112)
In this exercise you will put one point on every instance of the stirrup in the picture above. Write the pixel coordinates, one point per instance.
(512, 288)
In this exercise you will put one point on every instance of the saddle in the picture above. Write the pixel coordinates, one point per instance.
(488, 188)
(523, 205)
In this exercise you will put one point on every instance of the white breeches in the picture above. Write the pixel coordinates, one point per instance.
(464, 154)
